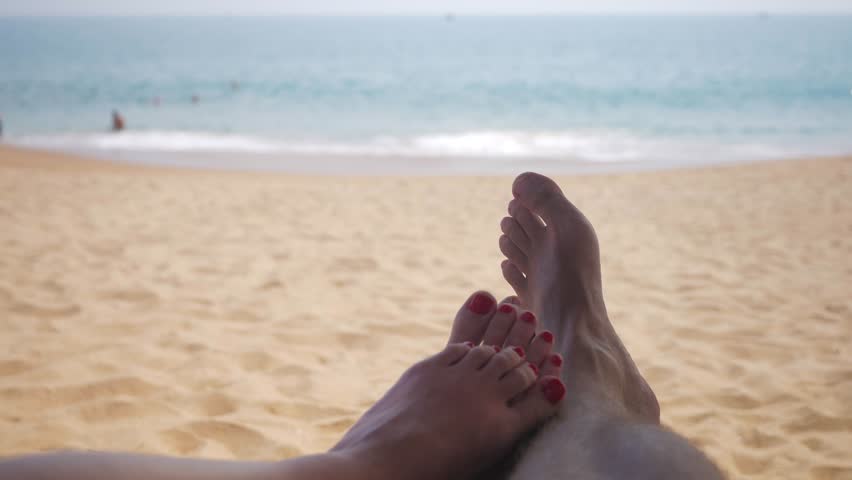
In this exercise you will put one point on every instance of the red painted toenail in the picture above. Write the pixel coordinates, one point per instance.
(519, 351)
(468, 344)
(497, 348)
(528, 317)
(481, 304)
(547, 336)
(556, 360)
(506, 308)
(553, 390)
(533, 368)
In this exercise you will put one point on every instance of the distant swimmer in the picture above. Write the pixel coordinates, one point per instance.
(117, 121)
(196, 99)
(155, 101)
(235, 85)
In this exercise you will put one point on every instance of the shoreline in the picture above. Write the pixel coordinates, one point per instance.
(375, 165)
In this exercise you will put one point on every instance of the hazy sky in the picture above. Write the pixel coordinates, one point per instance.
(326, 7)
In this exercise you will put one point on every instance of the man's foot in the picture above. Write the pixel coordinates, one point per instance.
(553, 264)
(457, 412)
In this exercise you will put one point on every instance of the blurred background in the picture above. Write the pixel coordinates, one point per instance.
(490, 85)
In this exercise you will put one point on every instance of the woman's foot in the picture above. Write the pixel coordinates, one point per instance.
(512, 325)
(553, 264)
(457, 412)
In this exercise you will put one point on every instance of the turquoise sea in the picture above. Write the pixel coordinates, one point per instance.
(464, 93)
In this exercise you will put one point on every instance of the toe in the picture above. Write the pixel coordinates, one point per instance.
(512, 299)
(519, 379)
(453, 353)
(513, 253)
(515, 279)
(473, 318)
(552, 365)
(541, 196)
(478, 357)
(512, 229)
(540, 402)
(504, 362)
(532, 225)
(540, 347)
(522, 330)
(500, 325)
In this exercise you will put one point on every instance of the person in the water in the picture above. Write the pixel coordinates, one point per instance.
(117, 121)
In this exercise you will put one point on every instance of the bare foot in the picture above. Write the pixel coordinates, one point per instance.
(512, 327)
(554, 267)
(457, 412)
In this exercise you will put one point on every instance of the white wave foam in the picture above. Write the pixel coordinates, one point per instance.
(588, 146)
(153, 141)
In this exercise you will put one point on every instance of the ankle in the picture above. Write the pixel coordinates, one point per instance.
(333, 465)
(362, 463)
(380, 460)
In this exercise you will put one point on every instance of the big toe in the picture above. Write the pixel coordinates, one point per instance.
(541, 195)
(473, 318)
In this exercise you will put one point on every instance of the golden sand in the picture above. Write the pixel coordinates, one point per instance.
(237, 315)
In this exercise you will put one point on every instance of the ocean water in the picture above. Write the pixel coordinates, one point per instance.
(470, 93)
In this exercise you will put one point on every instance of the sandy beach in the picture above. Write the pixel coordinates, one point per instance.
(249, 315)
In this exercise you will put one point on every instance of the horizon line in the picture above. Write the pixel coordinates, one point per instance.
(755, 13)
(447, 13)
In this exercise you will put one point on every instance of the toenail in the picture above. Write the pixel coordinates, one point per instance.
(519, 351)
(528, 317)
(553, 390)
(468, 344)
(533, 368)
(556, 360)
(497, 348)
(481, 304)
(506, 308)
(547, 336)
